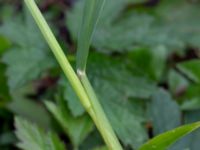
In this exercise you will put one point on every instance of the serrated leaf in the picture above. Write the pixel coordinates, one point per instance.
(164, 112)
(27, 109)
(110, 34)
(71, 98)
(25, 65)
(148, 63)
(182, 22)
(118, 75)
(27, 58)
(163, 141)
(115, 85)
(33, 138)
(76, 128)
(121, 30)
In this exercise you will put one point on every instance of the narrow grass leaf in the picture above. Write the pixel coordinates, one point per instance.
(91, 12)
(163, 141)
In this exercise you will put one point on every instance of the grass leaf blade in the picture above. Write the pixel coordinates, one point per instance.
(91, 13)
(163, 141)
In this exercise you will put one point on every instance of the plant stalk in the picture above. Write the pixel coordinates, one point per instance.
(85, 96)
(103, 124)
(58, 53)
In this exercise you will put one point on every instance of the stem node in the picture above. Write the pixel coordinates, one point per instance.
(80, 73)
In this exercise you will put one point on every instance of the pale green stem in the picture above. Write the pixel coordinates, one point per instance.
(58, 52)
(103, 123)
(99, 119)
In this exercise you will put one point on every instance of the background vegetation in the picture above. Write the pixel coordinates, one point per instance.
(144, 65)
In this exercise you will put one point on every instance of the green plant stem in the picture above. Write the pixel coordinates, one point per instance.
(59, 54)
(103, 124)
(98, 116)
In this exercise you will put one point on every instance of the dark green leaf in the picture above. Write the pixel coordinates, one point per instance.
(7, 138)
(28, 109)
(27, 58)
(33, 138)
(5, 44)
(4, 91)
(31, 111)
(191, 69)
(25, 65)
(164, 111)
(71, 98)
(119, 30)
(76, 128)
(101, 148)
(149, 63)
(115, 85)
(191, 97)
(177, 81)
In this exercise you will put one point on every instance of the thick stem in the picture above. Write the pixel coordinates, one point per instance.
(85, 97)
(102, 123)
(58, 52)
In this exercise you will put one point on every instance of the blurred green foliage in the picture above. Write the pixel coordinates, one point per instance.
(144, 66)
